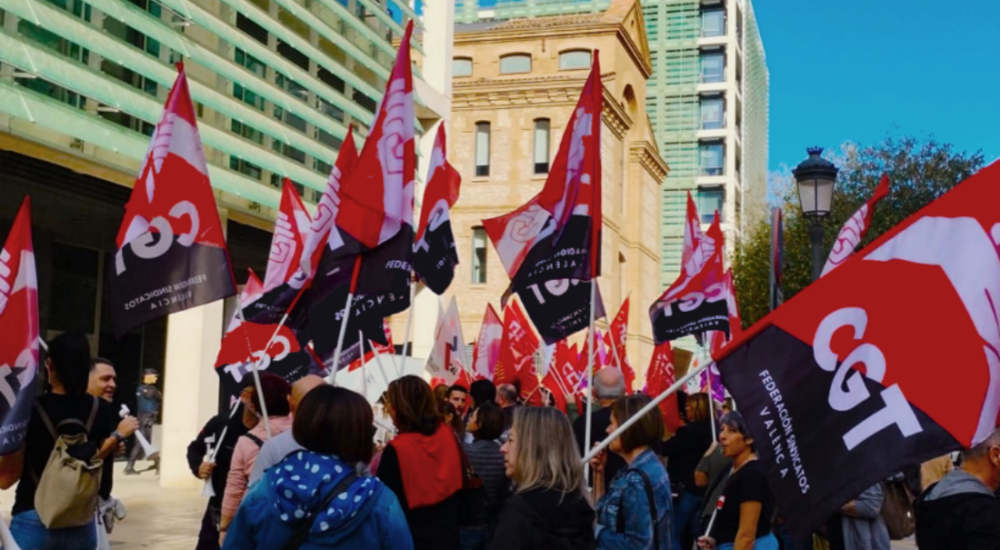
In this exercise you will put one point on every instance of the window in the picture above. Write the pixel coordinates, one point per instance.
(711, 158)
(713, 22)
(482, 149)
(713, 113)
(710, 201)
(247, 131)
(516, 63)
(577, 59)
(713, 66)
(542, 146)
(461, 66)
(244, 167)
(478, 255)
(254, 30)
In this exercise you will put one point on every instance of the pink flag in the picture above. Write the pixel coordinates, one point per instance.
(855, 229)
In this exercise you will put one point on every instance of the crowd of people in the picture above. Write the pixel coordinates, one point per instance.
(459, 467)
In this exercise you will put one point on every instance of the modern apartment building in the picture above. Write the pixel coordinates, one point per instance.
(707, 100)
(276, 85)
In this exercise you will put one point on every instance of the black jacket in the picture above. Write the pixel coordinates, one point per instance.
(543, 519)
(958, 513)
(210, 435)
(684, 451)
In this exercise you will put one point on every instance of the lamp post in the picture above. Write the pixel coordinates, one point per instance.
(815, 178)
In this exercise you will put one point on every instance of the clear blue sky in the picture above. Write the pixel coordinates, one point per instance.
(859, 70)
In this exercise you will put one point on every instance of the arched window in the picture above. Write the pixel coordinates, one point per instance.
(515, 63)
(482, 149)
(461, 66)
(541, 151)
(574, 59)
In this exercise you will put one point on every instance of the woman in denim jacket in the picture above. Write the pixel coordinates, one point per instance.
(624, 517)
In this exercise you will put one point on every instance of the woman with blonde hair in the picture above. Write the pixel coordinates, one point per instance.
(548, 510)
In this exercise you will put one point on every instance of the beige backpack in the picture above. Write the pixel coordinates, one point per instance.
(66, 494)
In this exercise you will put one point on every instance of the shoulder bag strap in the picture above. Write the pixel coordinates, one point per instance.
(257, 441)
(655, 517)
(93, 415)
(302, 532)
(46, 420)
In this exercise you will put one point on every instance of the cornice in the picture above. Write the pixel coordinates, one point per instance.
(645, 152)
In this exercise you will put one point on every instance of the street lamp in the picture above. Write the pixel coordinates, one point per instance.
(815, 178)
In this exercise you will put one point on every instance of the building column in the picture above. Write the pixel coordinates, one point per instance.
(190, 387)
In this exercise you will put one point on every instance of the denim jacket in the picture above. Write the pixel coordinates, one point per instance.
(627, 498)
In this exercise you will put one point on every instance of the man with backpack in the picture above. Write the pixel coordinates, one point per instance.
(59, 468)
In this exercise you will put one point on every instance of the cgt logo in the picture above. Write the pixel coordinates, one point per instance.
(693, 300)
(147, 246)
(848, 389)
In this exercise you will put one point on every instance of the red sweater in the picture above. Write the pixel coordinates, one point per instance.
(430, 466)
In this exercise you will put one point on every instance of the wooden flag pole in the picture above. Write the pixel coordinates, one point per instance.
(332, 378)
(590, 378)
(642, 412)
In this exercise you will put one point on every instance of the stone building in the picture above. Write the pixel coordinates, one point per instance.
(515, 84)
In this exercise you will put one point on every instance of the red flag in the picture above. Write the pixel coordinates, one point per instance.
(573, 188)
(448, 359)
(434, 255)
(846, 361)
(855, 228)
(659, 377)
(19, 327)
(171, 250)
(486, 351)
(252, 291)
(517, 347)
(322, 230)
(617, 334)
(291, 231)
(530, 392)
(377, 196)
(695, 303)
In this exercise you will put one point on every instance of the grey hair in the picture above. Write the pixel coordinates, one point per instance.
(604, 391)
(983, 447)
(508, 391)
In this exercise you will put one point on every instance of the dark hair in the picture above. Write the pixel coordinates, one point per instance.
(70, 356)
(415, 407)
(492, 421)
(508, 392)
(699, 403)
(483, 391)
(100, 361)
(335, 421)
(457, 387)
(735, 422)
(456, 419)
(276, 392)
(682, 399)
(647, 431)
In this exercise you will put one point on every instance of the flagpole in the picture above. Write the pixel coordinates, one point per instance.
(711, 400)
(590, 378)
(207, 490)
(254, 365)
(378, 360)
(332, 378)
(364, 379)
(409, 320)
(642, 412)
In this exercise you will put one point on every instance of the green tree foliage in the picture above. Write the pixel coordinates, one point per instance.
(919, 172)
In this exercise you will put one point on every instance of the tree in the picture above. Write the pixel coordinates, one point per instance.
(919, 172)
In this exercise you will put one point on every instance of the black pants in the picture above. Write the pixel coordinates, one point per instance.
(208, 537)
(146, 427)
